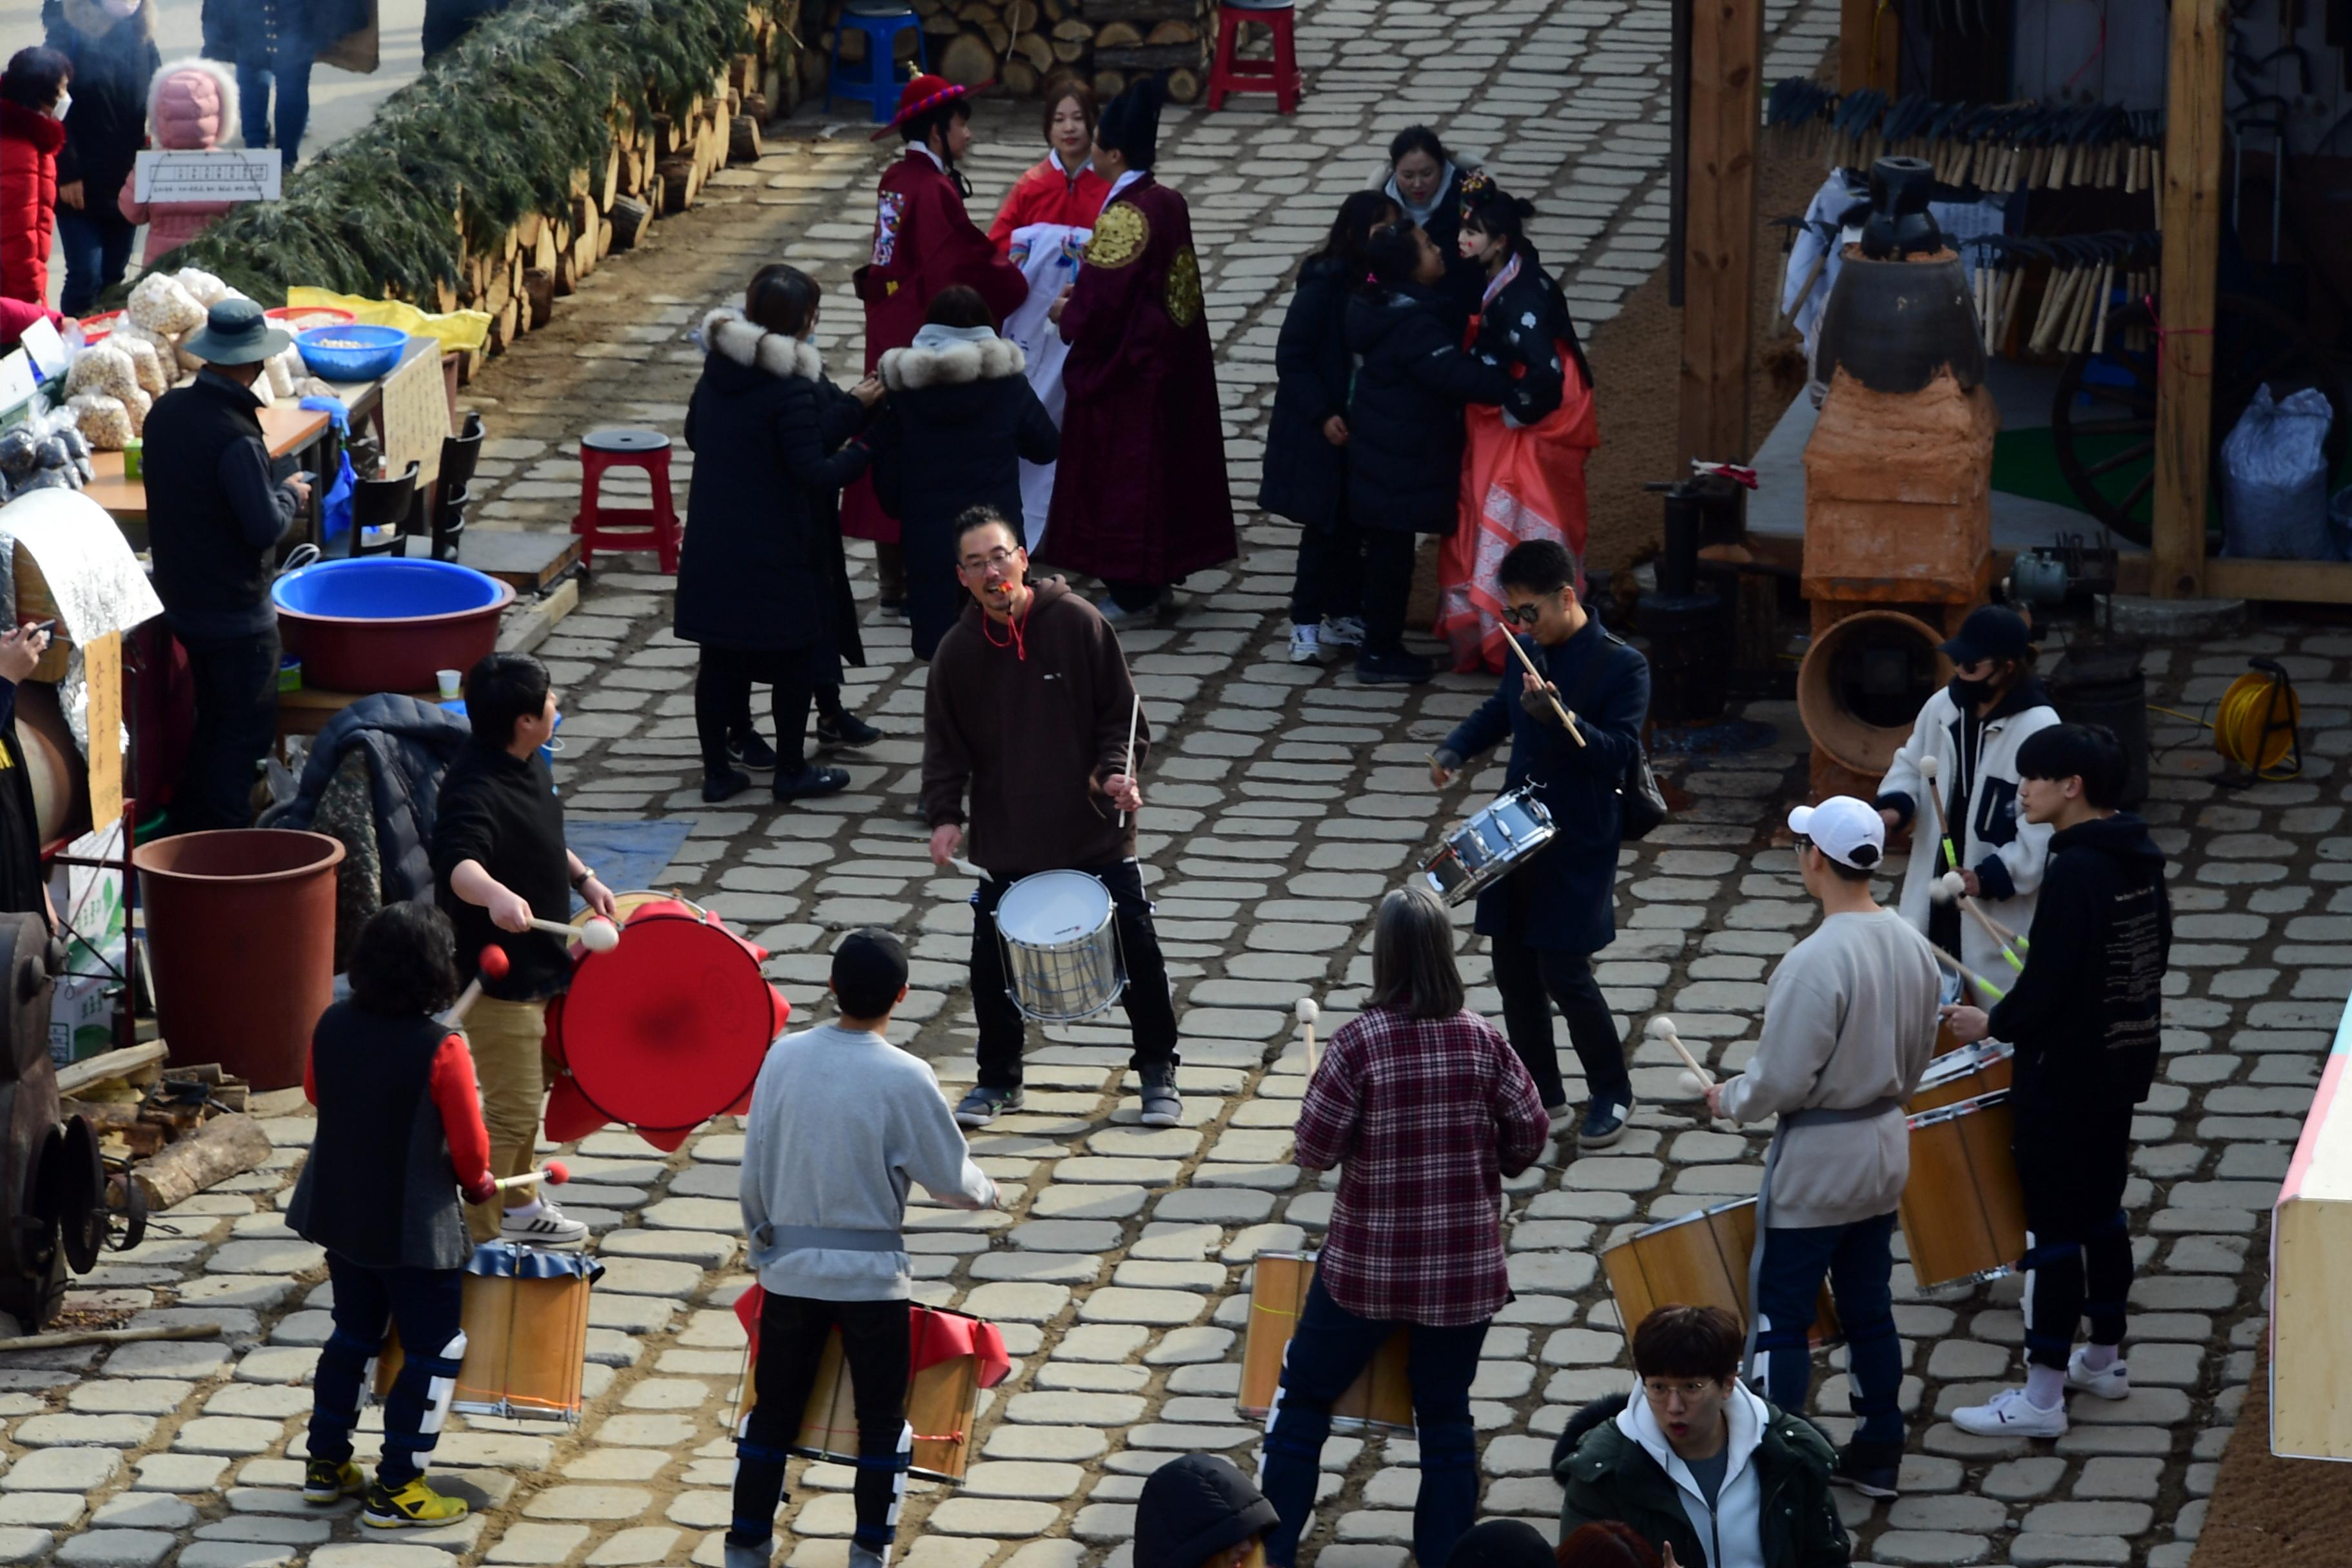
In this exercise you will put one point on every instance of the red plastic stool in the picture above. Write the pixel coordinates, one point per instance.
(617, 529)
(1280, 77)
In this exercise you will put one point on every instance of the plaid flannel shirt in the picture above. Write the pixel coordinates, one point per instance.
(1427, 1116)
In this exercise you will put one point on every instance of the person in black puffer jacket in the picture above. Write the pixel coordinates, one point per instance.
(961, 416)
(762, 581)
(1307, 441)
(111, 44)
(1404, 434)
(1199, 1511)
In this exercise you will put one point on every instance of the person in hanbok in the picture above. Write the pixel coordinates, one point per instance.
(1523, 463)
(1042, 228)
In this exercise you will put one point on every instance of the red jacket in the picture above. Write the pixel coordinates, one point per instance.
(1046, 194)
(29, 142)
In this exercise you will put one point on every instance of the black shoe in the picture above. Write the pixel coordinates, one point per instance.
(1871, 1468)
(747, 751)
(717, 787)
(1397, 669)
(810, 781)
(845, 728)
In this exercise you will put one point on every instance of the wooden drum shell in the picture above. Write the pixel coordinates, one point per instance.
(1963, 1210)
(1698, 1260)
(1380, 1400)
(942, 1406)
(526, 1347)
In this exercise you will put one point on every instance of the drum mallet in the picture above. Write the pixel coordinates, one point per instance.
(1965, 972)
(1566, 717)
(597, 935)
(1134, 716)
(556, 1173)
(1696, 1079)
(1928, 766)
(492, 964)
(1307, 1016)
(1951, 886)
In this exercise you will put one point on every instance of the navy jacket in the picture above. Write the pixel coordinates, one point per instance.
(1572, 907)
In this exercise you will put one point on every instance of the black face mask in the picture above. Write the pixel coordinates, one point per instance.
(1969, 693)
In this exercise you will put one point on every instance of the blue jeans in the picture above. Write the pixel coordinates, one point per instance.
(426, 1303)
(289, 65)
(1858, 1258)
(97, 246)
(1330, 1347)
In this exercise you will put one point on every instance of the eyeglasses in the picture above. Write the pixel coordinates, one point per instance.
(1660, 1390)
(974, 565)
(1523, 615)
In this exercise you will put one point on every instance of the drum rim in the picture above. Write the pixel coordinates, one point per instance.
(1972, 1058)
(1110, 904)
(1958, 1109)
(570, 1069)
(1708, 1212)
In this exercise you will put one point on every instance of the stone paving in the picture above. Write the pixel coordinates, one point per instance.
(1284, 803)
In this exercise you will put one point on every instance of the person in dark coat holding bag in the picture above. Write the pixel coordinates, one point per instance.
(1307, 441)
(1404, 434)
(761, 580)
(111, 44)
(1199, 1511)
(1544, 920)
(962, 418)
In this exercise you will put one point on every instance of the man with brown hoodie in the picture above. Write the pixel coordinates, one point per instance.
(1027, 710)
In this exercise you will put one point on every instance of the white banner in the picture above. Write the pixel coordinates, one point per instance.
(219, 174)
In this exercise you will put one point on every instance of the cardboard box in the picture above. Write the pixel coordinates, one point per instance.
(81, 1006)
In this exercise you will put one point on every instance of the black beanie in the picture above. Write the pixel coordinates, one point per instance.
(1502, 1544)
(1194, 1507)
(1130, 122)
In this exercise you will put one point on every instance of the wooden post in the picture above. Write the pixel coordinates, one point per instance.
(1726, 44)
(2192, 244)
(1870, 35)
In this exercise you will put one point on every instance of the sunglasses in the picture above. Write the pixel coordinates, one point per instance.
(1522, 615)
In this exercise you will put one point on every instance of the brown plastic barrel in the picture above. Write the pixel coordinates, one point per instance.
(241, 942)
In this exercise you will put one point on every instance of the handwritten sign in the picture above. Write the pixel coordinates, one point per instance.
(217, 174)
(416, 413)
(18, 380)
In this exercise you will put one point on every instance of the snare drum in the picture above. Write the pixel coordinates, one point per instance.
(1380, 1400)
(1487, 848)
(1698, 1260)
(525, 1319)
(1060, 935)
(1963, 1210)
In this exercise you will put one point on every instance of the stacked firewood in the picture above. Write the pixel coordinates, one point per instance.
(1022, 44)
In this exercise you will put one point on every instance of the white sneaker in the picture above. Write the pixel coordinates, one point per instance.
(1344, 631)
(546, 1225)
(1305, 646)
(2010, 1414)
(2110, 1382)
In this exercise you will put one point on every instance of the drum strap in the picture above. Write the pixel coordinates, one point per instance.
(1812, 1116)
(795, 1237)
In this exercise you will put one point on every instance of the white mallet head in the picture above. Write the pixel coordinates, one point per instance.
(1927, 765)
(1689, 1086)
(1948, 887)
(1660, 1026)
(600, 936)
(1307, 1010)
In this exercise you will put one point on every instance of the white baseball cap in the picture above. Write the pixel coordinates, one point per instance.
(1847, 830)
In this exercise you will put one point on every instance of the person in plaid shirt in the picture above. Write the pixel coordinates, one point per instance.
(1429, 1108)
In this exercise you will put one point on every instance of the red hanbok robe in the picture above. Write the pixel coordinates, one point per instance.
(923, 243)
(1140, 496)
(1046, 194)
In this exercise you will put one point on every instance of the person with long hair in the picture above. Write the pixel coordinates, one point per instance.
(763, 583)
(924, 242)
(1523, 467)
(1423, 1108)
(1042, 228)
(1306, 470)
(1404, 433)
(1425, 182)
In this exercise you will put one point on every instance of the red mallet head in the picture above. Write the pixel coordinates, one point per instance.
(558, 1172)
(492, 963)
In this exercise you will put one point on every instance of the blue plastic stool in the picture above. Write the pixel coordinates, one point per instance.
(881, 22)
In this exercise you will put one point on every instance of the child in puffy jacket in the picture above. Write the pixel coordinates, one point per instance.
(191, 107)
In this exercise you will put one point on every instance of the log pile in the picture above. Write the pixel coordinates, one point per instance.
(1021, 45)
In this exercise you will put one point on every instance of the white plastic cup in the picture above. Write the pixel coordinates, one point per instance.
(450, 680)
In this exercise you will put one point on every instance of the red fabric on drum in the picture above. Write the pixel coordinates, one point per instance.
(933, 1337)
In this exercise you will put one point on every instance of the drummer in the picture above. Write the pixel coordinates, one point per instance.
(1545, 921)
(1026, 714)
(1849, 1024)
(2084, 1017)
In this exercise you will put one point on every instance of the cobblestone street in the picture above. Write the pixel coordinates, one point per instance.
(1283, 802)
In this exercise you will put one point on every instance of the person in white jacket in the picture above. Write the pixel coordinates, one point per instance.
(1963, 750)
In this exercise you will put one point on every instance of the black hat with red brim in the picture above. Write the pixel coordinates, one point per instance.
(923, 93)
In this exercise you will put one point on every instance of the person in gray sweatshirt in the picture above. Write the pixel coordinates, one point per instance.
(1849, 1026)
(841, 1121)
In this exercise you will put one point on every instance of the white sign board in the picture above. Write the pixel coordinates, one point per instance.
(219, 174)
(18, 380)
(50, 357)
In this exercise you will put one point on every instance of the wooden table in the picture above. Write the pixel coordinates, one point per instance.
(286, 428)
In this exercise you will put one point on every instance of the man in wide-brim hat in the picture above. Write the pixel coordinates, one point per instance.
(214, 516)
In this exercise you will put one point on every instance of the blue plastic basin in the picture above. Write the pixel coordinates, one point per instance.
(379, 349)
(386, 623)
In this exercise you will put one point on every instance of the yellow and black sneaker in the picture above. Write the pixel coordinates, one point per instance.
(414, 1504)
(331, 1481)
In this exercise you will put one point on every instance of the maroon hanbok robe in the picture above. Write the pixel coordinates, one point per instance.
(1140, 495)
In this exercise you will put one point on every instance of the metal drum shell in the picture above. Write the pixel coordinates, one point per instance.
(1471, 861)
(1069, 978)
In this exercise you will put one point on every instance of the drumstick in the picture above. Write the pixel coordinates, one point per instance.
(1306, 1015)
(968, 868)
(1662, 1028)
(1965, 972)
(555, 1175)
(1927, 766)
(1134, 713)
(1950, 885)
(493, 964)
(2001, 932)
(597, 935)
(1566, 717)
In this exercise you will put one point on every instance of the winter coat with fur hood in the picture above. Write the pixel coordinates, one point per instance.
(762, 566)
(962, 416)
(30, 145)
(113, 61)
(191, 107)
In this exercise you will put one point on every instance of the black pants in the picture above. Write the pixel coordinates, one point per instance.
(935, 596)
(722, 702)
(1134, 596)
(426, 1303)
(236, 682)
(1150, 1011)
(2072, 1162)
(1531, 979)
(874, 1345)
(1330, 579)
(1388, 583)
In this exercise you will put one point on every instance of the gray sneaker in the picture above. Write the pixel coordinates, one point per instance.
(738, 1555)
(985, 1104)
(1161, 1108)
(864, 1556)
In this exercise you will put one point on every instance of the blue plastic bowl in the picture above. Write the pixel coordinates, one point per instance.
(325, 350)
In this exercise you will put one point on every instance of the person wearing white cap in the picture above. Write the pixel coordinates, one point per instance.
(1849, 1024)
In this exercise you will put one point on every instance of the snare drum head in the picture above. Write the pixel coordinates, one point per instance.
(1052, 908)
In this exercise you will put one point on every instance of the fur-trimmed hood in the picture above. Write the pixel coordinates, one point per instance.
(726, 334)
(92, 20)
(191, 105)
(914, 368)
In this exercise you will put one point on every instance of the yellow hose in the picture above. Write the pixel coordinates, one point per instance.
(2254, 728)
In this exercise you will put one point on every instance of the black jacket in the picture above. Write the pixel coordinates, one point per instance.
(1404, 421)
(1607, 1475)
(1524, 324)
(502, 810)
(112, 64)
(213, 514)
(381, 1188)
(2085, 1012)
(762, 565)
(1306, 476)
(409, 745)
(1193, 1509)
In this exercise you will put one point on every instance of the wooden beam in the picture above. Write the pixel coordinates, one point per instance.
(2192, 245)
(1727, 43)
(2281, 582)
(1870, 35)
